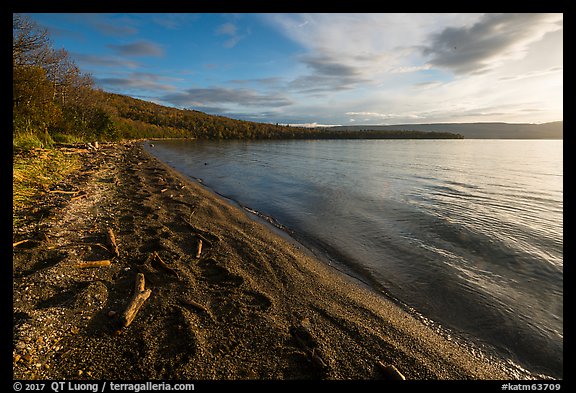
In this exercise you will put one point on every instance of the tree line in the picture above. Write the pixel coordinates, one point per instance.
(52, 98)
(53, 101)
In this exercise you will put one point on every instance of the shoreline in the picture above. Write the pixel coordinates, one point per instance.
(252, 306)
(334, 260)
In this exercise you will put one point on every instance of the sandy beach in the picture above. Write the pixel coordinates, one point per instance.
(247, 304)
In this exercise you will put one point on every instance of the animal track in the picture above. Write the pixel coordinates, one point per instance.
(257, 300)
(175, 342)
(218, 275)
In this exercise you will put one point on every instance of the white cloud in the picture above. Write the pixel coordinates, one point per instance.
(400, 68)
(227, 29)
(231, 31)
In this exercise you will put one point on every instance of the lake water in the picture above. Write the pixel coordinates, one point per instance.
(465, 233)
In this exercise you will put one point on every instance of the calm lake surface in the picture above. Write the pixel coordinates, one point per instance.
(465, 233)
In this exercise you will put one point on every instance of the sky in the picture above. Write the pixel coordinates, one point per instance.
(327, 69)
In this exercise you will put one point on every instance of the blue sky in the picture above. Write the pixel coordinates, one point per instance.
(327, 69)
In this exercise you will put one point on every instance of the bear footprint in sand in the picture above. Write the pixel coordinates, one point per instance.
(257, 300)
(218, 275)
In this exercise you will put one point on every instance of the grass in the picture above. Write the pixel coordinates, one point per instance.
(28, 140)
(34, 171)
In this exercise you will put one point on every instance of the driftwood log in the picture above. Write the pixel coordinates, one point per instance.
(163, 264)
(15, 244)
(207, 237)
(199, 248)
(138, 299)
(81, 195)
(63, 192)
(391, 372)
(112, 240)
(195, 305)
(88, 264)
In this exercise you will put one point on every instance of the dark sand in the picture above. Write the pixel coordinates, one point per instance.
(253, 306)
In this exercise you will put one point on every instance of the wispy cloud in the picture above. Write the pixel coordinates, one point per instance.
(484, 44)
(220, 95)
(532, 74)
(273, 81)
(227, 29)
(329, 68)
(108, 24)
(138, 48)
(371, 115)
(138, 81)
(349, 51)
(230, 30)
(328, 74)
(174, 21)
(425, 66)
(103, 61)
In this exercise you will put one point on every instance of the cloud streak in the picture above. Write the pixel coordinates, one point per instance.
(138, 48)
(477, 48)
(130, 83)
(218, 95)
(328, 74)
(138, 81)
(328, 68)
(103, 61)
(231, 31)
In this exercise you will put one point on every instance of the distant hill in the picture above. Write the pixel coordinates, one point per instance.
(132, 118)
(553, 130)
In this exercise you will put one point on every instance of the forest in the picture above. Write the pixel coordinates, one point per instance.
(55, 102)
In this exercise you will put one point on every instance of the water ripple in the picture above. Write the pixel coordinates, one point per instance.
(469, 233)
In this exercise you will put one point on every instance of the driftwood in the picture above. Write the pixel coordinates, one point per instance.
(21, 242)
(63, 192)
(138, 299)
(390, 372)
(203, 235)
(112, 240)
(199, 248)
(163, 264)
(88, 264)
(101, 246)
(317, 359)
(78, 196)
(195, 305)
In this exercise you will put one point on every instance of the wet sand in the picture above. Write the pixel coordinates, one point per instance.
(253, 305)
